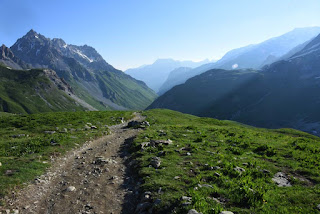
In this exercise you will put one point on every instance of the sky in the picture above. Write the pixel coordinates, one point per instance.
(131, 33)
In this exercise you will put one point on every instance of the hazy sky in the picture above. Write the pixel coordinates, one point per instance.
(129, 33)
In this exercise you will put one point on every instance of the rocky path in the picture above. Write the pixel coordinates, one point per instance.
(91, 179)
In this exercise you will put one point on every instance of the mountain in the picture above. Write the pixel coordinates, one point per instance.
(7, 58)
(93, 80)
(253, 56)
(174, 79)
(35, 90)
(155, 75)
(283, 94)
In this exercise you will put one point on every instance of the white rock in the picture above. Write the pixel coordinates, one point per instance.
(71, 189)
(226, 212)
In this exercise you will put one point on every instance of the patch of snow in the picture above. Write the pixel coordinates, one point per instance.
(65, 46)
(37, 37)
(235, 66)
(83, 55)
(9, 68)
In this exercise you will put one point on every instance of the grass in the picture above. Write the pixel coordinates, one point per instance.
(26, 149)
(208, 173)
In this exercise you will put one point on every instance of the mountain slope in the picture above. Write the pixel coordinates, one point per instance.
(255, 56)
(84, 69)
(284, 94)
(32, 91)
(7, 58)
(155, 75)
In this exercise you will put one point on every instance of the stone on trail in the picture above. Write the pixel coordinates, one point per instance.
(71, 189)
(226, 212)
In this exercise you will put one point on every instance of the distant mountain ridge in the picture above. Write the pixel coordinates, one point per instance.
(93, 80)
(155, 75)
(283, 94)
(253, 56)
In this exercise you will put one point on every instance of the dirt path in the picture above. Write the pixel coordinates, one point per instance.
(90, 179)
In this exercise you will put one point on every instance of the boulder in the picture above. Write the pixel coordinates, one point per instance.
(155, 162)
(281, 179)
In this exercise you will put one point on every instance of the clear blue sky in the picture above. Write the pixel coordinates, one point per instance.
(132, 33)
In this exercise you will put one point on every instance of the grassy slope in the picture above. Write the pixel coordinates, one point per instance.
(28, 155)
(223, 145)
(126, 91)
(21, 92)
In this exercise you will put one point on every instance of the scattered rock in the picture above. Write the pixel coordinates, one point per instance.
(155, 162)
(15, 211)
(71, 189)
(18, 135)
(207, 186)
(0, 164)
(281, 179)
(318, 206)
(188, 154)
(239, 169)
(49, 132)
(217, 174)
(9, 172)
(176, 177)
(146, 197)
(136, 124)
(93, 127)
(186, 201)
(265, 171)
(193, 211)
(226, 212)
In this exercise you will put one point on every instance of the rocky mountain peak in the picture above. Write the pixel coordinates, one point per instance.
(6, 53)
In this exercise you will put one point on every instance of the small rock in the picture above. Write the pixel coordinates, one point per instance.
(217, 174)
(9, 172)
(265, 171)
(94, 127)
(193, 211)
(0, 164)
(155, 162)
(186, 198)
(49, 132)
(281, 179)
(176, 177)
(207, 186)
(71, 189)
(88, 207)
(318, 206)
(239, 169)
(226, 212)
(188, 154)
(15, 211)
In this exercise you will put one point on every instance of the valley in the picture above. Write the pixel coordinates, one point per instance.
(160, 107)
